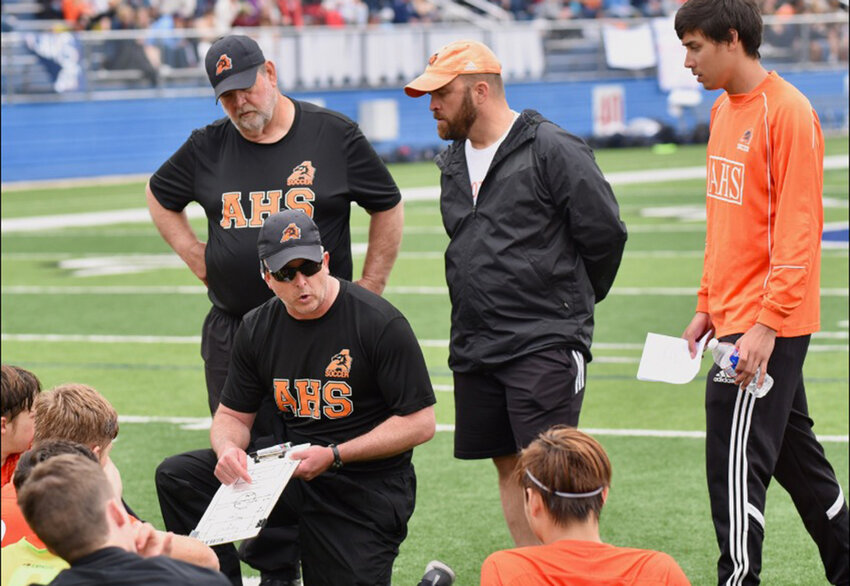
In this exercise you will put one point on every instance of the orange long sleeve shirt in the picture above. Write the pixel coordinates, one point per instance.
(764, 212)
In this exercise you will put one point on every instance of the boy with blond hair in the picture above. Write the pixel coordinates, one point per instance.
(78, 413)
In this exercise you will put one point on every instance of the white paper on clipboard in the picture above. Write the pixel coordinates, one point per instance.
(239, 510)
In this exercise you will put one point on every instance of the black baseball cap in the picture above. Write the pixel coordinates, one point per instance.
(232, 63)
(286, 236)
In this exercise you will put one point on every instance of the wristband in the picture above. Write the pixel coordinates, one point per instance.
(337, 463)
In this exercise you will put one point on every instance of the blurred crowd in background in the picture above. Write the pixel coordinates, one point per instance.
(224, 14)
(826, 42)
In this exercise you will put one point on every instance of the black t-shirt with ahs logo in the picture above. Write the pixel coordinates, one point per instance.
(321, 166)
(333, 378)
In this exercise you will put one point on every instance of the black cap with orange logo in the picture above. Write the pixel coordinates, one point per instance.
(286, 236)
(232, 63)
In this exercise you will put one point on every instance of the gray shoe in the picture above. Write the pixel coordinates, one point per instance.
(437, 574)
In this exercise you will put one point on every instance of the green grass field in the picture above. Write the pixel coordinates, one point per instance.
(111, 306)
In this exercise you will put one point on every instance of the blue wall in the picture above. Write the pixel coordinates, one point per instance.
(85, 139)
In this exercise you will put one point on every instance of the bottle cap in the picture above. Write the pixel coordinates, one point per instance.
(712, 344)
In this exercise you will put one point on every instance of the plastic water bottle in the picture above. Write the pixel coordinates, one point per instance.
(726, 357)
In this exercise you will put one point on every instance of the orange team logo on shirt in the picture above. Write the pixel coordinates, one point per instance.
(744, 141)
(725, 180)
(340, 365)
(302, 174)
(291, 232)
(223, 64)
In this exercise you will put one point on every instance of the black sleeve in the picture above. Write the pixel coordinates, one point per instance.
(587, 203)
(401, 372)
(243, 390)
(369, 180)
(173, 184)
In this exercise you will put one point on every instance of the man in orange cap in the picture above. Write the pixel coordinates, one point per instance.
(535, 242)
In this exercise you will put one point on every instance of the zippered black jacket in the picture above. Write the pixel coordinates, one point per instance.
(526, 265)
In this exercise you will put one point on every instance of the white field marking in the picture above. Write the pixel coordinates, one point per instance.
(685, 213)
(831, 335)
(106, 290)
(432, 254)
(402, 290)
(136, 215)
(621, 177)
(107, 218)
(444, 344)
(205, 422)
(833, 202)
(100, 339)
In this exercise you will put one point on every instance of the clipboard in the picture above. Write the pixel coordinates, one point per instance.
(240, 510)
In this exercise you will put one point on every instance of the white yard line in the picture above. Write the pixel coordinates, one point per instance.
(618, 177)
(425, 343)
(137, 215)
(204, 423)
(397, 290)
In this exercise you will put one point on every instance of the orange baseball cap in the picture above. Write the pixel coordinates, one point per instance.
(457, 58)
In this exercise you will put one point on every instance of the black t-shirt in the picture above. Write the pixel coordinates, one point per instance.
(322, 165)
(117, 567)
(333, 378)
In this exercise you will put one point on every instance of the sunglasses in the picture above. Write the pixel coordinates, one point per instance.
(308, 268)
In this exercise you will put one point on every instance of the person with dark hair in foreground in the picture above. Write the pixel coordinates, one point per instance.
(72, 506)
(565, 476)
(18, 391)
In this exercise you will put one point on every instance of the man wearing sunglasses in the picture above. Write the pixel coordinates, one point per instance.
(348, 377)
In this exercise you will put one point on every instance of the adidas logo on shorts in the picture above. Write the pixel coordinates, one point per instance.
(722, 377)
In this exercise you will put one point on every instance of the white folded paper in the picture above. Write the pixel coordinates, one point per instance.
(666, 359)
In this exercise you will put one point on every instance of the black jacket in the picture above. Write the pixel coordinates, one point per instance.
(526, 265)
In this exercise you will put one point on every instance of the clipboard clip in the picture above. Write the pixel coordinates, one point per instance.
(276, 451)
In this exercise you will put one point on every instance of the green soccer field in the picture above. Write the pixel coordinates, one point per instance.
(100, 299)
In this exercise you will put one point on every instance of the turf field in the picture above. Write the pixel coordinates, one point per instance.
(111, 306)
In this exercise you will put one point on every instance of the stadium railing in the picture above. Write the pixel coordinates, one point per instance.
(44, 65)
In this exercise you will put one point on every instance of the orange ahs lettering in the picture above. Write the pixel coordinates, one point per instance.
(262, 204)
(307, 397)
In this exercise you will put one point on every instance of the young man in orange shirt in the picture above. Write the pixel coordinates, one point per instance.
(760, 291)
(565, 475)
(18, 391)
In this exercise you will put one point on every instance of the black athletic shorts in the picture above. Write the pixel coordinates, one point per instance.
(499, 411)
(216, 344)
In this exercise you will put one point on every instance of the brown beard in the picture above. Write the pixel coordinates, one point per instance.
(458, 128)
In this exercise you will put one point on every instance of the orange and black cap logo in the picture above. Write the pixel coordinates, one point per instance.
(223, 64)
(291, 232)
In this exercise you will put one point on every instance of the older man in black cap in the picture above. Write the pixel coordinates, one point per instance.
(347, 376)
(271, 153)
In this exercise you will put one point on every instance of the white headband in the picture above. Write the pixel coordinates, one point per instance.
(568, 495)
